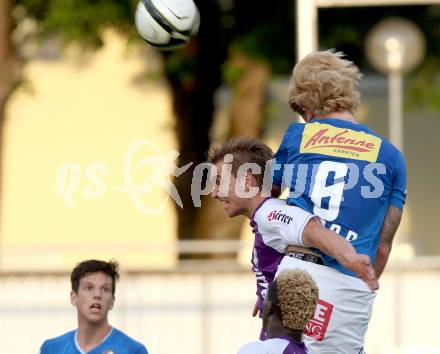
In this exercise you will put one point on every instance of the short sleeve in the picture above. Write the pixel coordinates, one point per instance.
(281, 158)
(142, 350)
(288, 149)
(398, 192)
(282, 225)
(252, 348)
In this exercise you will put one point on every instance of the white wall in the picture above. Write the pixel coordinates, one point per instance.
(209, 312)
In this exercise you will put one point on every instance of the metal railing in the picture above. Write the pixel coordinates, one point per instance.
(204, 307)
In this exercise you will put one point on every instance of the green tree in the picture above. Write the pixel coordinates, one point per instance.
(228, 33)
(238, 44)
(10, 66)
(346, 29)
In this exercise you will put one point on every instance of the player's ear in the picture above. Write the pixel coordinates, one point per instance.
(249, 180)
(73, 297)
(112, 302)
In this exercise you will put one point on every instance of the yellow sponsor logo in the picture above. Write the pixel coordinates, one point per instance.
(318, 138)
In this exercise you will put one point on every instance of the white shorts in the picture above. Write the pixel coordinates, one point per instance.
(342, 313)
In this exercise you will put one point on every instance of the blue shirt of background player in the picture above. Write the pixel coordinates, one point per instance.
(357, 217)
(115, 343)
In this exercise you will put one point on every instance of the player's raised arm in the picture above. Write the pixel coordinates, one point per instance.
(316, 235)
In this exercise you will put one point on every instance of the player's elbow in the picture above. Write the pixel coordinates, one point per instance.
(312, 233)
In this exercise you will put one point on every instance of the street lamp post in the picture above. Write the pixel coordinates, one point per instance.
(395, 46)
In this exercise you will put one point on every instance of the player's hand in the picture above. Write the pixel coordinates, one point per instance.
(256, 309)
(360, 264)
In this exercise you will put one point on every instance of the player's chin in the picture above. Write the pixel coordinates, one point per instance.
(96, 321)
(96, 317)
(230, 213)
(228, 209)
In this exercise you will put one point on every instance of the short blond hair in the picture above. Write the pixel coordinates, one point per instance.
(323, 83)
(244, 150)
(297, 296)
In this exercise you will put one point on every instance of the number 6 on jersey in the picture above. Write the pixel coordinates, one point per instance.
(334, 191)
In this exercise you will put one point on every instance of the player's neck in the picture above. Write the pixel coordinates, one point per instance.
(90, 336)
(253, 205)
(278, 330)
(345, 115)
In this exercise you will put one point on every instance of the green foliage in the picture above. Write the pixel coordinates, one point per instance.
(345, 29)
(262, 44)
(424, 86)
(260, 30)
(231, 73)
(179, 64)
(265, 32)
(81, 21)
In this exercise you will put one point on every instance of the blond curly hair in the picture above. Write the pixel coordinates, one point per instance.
(323, 83)
(297, 296)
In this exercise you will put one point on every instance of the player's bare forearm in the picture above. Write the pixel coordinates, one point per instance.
(316, 235)
(387, 232)
(383, 253)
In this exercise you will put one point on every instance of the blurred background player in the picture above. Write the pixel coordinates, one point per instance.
(275, 224)
(289, 304)
(341, 170)
(93, 295)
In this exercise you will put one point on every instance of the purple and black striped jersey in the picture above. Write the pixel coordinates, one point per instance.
(275, 225)
(277, 345)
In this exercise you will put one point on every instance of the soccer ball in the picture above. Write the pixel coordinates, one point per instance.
(167, 24)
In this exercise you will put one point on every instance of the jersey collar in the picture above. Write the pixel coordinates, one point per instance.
(258, 207)
(75, 338)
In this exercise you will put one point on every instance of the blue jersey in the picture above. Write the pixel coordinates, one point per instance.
(344, 173)
(115, 343)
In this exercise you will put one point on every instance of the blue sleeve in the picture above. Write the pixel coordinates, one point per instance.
(398, 192)
(141, 350)
(281, 158)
